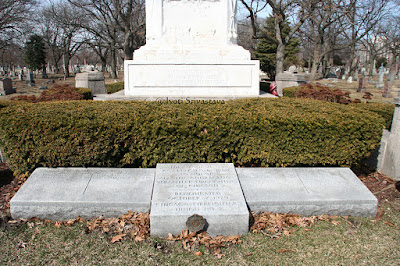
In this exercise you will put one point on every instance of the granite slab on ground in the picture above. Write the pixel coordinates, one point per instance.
(306, 191)
(218, 192)
(65, 193)
(210, 190)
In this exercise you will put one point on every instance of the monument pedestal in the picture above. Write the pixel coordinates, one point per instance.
(191, 50)
(157, 78)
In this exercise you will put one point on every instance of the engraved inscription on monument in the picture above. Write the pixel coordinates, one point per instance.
(210, 190)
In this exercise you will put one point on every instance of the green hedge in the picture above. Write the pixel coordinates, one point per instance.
(385, 110)
(251, 132)
(290, 92)
(87, 93)
(114, 87)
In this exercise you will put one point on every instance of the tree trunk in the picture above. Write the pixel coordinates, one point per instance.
(392, 67)
(113, 64)
(280, 58)
(128, 49)
(315, 62)
(371, 65)
(66, 59)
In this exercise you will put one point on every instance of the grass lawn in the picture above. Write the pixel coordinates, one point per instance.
(342, 241)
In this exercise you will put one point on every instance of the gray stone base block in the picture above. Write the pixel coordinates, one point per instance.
(65, 193)
(209, 190)
(235, 78)
(306, 191)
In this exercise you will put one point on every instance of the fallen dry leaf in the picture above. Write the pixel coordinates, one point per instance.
(286, 250)
(379, 214)
(335, 222)
(117, 238)
(198, 253)
(219, 256)
(390, 224)
(57, 225)
(138, 239)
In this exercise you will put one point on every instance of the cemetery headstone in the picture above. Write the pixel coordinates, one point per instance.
(387, 92)
(211, 191)
(6, 87)
(65, 193)
(191, 50)
(30, 79)
(381, 74)
(389, 153)
(289, 78)
(362, 84)
(191, 196)
(341, 74)
(330, 73)
(350, 79)
(92, 80)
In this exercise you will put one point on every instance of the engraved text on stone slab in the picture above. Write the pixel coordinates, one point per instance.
(197, 188)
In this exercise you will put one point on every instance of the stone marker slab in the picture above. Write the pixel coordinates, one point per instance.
(210, 190)
(65, 193)
(306, 191)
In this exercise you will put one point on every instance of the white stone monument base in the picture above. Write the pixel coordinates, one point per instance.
(157, 78)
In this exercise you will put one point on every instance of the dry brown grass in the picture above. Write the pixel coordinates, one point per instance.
(23, 88)
(352, 88)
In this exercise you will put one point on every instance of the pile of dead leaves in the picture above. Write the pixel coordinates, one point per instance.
(192, 240)
(276, 224)
(133, 224)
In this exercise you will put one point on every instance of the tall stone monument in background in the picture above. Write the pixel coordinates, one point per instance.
(191, 50)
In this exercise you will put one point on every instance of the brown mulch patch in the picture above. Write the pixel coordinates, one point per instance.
(383, 187)
(9, 185)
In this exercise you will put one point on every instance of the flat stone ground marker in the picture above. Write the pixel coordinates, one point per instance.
(66, 193)
(210, 190)
(306, 191)
(217, 192)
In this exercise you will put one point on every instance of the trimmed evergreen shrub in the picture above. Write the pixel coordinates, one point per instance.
(290, 92)
(114, 87)
(248, 132)
(87, 93)
(383, 109)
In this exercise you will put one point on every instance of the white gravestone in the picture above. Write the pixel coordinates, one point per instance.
(389, 157)
(191, 50)
(212, 191)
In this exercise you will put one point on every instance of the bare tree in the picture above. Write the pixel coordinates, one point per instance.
(281, 9)
(13, 13)
(66, 20)
(392, 41)
(254, 7)
(351, 19)
(115, 16)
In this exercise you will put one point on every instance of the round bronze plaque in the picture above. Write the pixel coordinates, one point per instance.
(195, 223)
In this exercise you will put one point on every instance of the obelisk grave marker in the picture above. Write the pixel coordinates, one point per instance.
(185, 191)
(191, 50)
